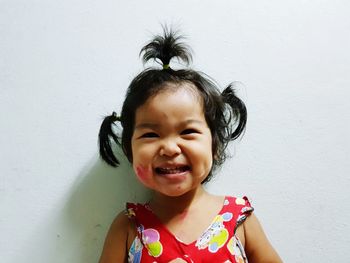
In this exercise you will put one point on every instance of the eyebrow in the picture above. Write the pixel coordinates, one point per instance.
(149, 125)
(146, 125)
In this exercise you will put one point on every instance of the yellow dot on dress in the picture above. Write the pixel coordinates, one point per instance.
(240, 201)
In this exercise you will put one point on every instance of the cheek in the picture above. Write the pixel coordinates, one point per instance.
(142, 173)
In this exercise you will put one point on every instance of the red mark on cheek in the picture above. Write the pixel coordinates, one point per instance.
(142, 173)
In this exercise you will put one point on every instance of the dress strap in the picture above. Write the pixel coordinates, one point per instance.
(239, 209)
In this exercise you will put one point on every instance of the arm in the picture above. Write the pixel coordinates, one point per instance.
(257, 246)
(115, 246)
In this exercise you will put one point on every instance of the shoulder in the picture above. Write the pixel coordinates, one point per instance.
(257, 246)
(117, 241)
(251, 233)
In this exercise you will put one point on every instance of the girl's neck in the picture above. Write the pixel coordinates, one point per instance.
(177, 204)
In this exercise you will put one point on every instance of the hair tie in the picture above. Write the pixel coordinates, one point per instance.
(115, 117)
(166, 66)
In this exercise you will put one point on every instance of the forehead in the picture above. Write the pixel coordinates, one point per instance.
(178, 89)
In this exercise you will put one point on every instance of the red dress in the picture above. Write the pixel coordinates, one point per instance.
(155, 243)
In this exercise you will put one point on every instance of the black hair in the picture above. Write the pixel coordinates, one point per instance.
(225, 113)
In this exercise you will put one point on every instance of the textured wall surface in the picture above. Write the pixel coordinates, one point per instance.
(65, 64)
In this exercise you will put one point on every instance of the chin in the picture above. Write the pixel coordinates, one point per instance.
(176, 192)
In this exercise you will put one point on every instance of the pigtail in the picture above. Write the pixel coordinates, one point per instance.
(237, 112)
(105, 143)
(165, 47)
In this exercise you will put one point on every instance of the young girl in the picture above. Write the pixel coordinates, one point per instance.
(175, 129)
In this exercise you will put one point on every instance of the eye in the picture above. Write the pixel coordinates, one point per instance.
(189, 131)
(149, 135)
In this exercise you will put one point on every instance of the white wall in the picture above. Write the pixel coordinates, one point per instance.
(65, 64)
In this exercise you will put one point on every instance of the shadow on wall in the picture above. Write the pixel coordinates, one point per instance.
(75, 229)
(96, 198)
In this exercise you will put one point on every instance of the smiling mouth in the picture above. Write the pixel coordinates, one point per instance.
(172, 170)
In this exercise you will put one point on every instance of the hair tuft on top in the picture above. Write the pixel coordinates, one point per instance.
(165, 47)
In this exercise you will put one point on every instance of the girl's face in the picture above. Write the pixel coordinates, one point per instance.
(172, 143)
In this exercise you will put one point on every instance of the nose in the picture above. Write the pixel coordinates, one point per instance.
(170, 148)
